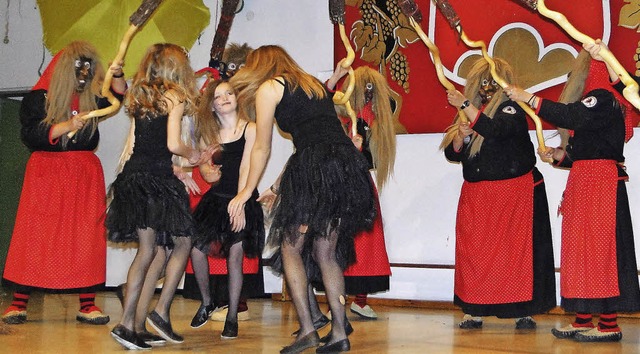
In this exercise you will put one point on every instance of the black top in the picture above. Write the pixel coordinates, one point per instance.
(309, 121)
(597, 122)
(230, 160)
(365, 132)
(35, 133)
(507, 151)
(150, 151)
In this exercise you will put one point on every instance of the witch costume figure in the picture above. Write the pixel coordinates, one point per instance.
(598, 268)
(59, 241)
(504, 252)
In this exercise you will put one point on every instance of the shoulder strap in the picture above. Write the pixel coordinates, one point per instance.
(245, 128)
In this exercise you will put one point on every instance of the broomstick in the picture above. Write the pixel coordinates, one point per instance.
(454, 21)
(139, 17)
(413, 13)
(228, 13)
(217, 69)
(630, 92)
(336, 13)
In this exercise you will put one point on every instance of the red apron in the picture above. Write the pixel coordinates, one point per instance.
(59, 237)
(588, 261)
(371, 250)
(494, 241)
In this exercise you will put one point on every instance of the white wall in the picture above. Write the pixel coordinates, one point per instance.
(419, 203)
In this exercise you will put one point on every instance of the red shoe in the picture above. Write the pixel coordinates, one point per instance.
(92, 315)
(14, 315)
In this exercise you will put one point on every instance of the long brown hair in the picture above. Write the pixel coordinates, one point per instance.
(63, 87)
(207, 122)
(263, 64)
(481, 70)
(574, 87)
(383, 137)
(164, 67)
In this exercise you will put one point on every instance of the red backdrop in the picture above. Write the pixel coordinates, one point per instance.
(379, 33)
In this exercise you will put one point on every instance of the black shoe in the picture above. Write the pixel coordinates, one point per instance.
(337, 347)
(128, 338)
(164, 328)
(525, 323)
(151, 338)
(348, 329)
(202, 316)
(310, 340)
(317, 324)
(468, 322)
(230, 330)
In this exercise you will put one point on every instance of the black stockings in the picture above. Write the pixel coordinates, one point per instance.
(324, 253)
(136, 275)
(200, 263)
(332, 278)
(234, 268)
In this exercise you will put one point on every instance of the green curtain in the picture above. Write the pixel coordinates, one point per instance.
(13, 159)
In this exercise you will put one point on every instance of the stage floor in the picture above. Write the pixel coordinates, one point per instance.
(52, 328)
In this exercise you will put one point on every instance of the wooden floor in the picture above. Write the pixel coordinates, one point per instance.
(52, 328)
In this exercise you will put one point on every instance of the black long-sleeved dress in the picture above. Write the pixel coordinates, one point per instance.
(504, 252)
(598, 271)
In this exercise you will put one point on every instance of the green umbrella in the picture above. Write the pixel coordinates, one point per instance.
(103, 23)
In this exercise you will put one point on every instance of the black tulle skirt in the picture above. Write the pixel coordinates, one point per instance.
(142, 200)
(329, 189)
(213, 228)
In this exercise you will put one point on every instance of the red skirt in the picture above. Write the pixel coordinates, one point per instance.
(494, 241)
(588, 261)
(217, 266)
(371, 250)
(59, 237)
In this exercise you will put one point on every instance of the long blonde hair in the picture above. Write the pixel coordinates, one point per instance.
(478, 72)
(164, 67)
(63, 87)
(383, 137)
(263, 64)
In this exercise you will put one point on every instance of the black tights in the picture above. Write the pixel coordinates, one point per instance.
(200, 264)
(332, 278)
(147, 267)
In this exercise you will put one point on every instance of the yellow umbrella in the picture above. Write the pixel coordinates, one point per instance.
(103, 23)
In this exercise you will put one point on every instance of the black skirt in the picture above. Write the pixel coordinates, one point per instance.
(144, 200)
(326, 187)
(213, 228)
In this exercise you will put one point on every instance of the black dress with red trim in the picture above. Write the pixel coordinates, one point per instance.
(598, 271)
(62, 202)
(504, 251)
